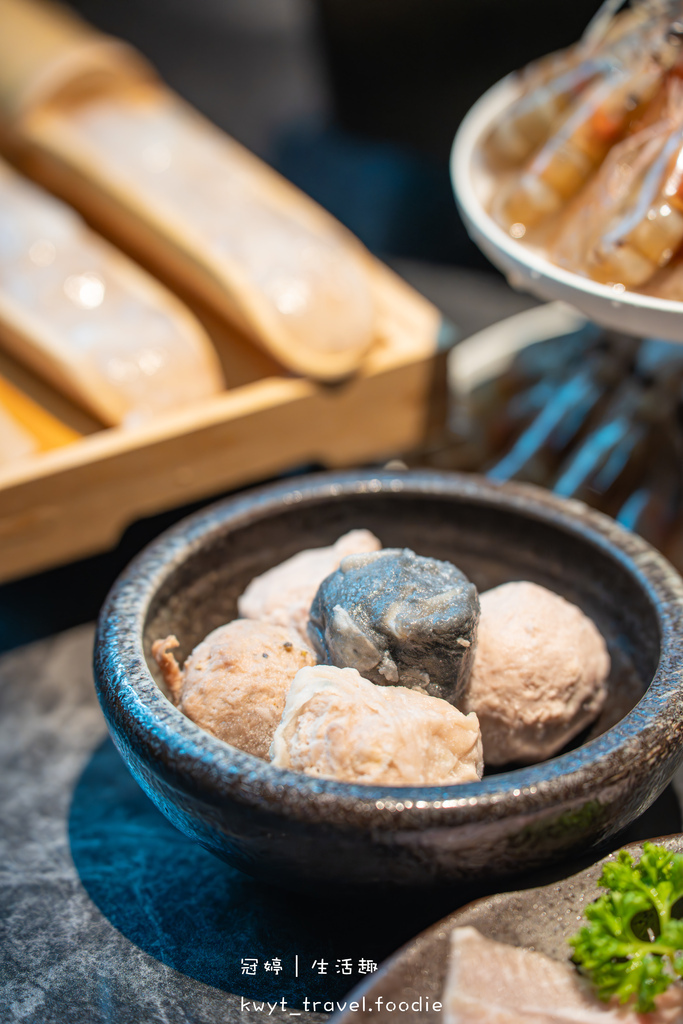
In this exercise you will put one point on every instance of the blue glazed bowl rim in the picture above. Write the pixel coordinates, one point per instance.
(192, 759)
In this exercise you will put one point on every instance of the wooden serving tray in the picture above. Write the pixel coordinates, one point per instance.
(74, 501)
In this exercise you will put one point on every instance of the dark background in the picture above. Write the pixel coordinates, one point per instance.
(357, 102)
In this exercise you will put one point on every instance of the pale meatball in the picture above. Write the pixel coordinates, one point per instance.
(284, 594)
(539, 673)
(235, 682)
(340, 726)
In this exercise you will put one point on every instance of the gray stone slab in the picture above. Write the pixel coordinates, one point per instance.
(108, 915)
(63, 960)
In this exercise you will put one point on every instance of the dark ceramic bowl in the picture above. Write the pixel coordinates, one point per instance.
(293, 829)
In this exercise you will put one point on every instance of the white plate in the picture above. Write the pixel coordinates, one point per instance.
(527, 269)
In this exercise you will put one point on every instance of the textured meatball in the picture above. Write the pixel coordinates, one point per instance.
(235, 682)
(398, 618)
(539, 673)
(283, 594)
(340, 726)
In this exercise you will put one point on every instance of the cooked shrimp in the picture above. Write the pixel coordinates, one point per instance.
(647, 235)
(628, 222)
(552, 84)
(570, 157)
(528, 123)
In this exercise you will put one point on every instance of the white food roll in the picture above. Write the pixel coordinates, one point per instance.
(313, 287)
(90, 320)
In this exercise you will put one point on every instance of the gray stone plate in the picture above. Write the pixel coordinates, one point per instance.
(541, 919)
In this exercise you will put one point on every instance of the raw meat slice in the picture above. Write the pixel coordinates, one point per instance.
(491, 982)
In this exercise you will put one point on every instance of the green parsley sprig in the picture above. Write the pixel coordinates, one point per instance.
(632, 947)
